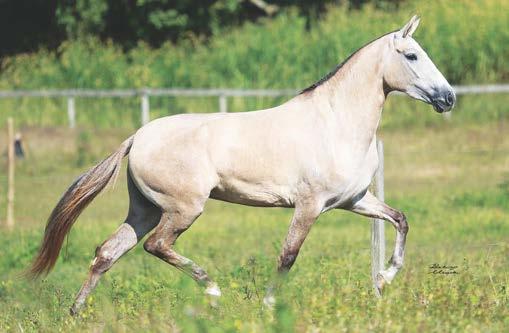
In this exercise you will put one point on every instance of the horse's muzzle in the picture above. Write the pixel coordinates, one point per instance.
(444, 100)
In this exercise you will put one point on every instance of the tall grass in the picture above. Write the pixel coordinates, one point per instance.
(468, 41)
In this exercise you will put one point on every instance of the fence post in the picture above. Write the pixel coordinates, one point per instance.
(223, 105)
(377, 227)
(10, 178)
(145, 108)
(71, 112)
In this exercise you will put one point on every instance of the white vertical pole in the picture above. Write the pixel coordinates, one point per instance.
(71, 112)
(377, 228)
(223, 105)
(145, 109)
(10, 179)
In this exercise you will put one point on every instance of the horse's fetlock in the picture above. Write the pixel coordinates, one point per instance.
(403, 227)
(402, 223)
(101, 263)
(286, 261)
(396, 262)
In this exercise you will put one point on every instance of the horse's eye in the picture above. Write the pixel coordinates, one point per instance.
(411, 56)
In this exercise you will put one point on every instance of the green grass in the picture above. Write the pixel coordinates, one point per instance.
(451, 178)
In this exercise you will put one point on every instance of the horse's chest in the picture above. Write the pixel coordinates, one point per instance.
(349, 180)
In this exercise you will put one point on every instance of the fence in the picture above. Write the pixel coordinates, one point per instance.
(221, 94)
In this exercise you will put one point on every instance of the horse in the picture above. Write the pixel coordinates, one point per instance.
(314, 153)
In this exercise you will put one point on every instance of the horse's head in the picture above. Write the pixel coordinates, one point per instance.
(408, 68)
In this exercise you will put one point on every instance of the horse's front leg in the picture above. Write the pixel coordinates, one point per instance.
(304, 217)
(370, 206)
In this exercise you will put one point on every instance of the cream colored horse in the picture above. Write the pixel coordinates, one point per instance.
(314, 153)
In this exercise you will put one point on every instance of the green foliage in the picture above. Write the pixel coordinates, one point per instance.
(81, 17)
(277, 53)
(155, 22)
(27, 25)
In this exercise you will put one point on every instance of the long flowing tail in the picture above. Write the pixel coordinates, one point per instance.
(73, 202)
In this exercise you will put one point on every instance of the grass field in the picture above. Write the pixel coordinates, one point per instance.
(451, 178)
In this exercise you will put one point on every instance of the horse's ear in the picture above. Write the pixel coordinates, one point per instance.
(410, 27)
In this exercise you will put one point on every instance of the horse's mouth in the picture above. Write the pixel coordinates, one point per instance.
(440, 108)
(436, 100)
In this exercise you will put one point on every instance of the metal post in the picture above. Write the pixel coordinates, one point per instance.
(71, 113)
(377, 228)
(145, 109)
(223, 105)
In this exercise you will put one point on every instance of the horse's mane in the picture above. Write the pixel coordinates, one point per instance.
(338, 67)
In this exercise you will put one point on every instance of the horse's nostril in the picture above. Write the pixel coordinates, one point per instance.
(449, 99)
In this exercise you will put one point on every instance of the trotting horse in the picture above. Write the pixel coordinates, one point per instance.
(314, 153)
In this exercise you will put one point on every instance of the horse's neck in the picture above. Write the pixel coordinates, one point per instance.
(356, 96)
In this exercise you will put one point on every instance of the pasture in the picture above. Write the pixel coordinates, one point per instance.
(451, 178)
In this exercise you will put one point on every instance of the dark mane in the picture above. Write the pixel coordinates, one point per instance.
(328, 75)
(338, 67)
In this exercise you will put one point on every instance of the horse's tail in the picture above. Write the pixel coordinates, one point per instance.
(73, 202)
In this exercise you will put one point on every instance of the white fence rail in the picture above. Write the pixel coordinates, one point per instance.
(221, 94)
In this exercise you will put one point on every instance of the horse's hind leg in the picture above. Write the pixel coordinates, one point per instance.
(143, 216)
(160, 243)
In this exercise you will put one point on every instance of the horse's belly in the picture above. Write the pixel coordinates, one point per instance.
(344, 194)
(252, 194)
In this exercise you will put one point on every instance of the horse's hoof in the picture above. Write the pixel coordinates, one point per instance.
(213, 290)
(73, 311)
(213, 293)
(269, 301)
(213, 301)
(380, 284)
